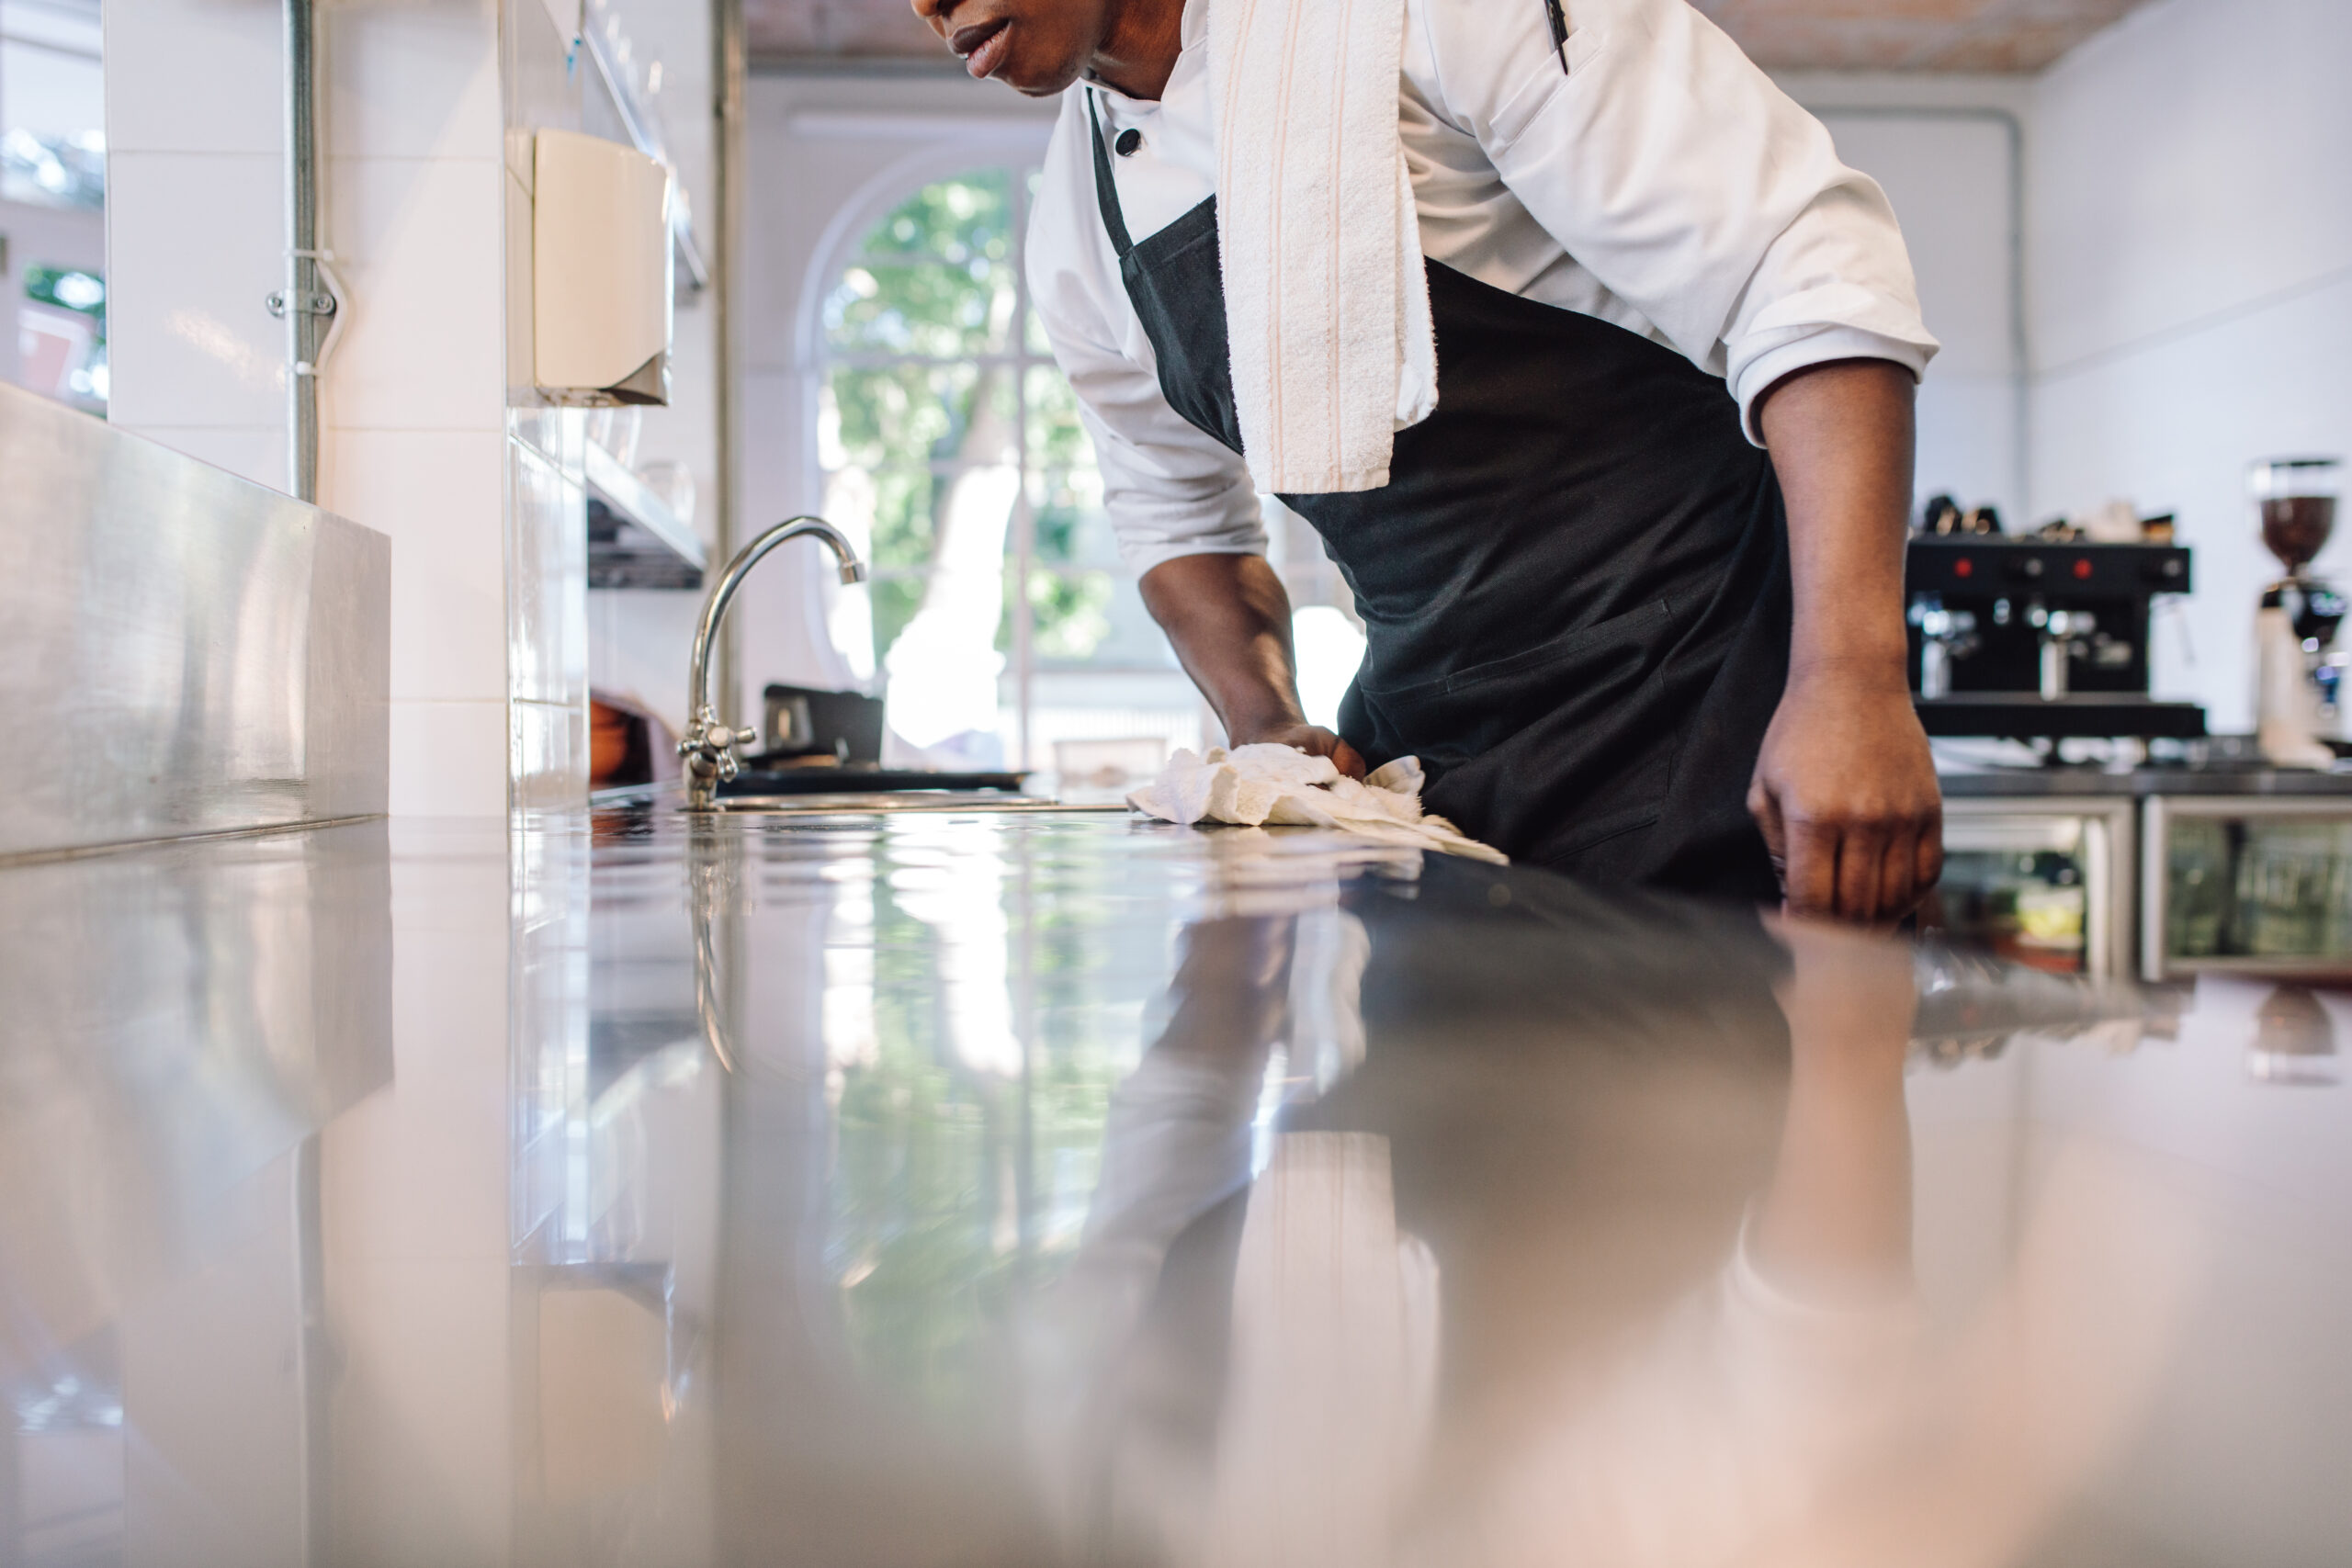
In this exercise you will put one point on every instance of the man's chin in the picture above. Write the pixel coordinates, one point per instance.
(1031, 82)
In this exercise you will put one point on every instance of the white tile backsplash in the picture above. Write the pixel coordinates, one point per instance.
(424, 197)
(195, 246)
(546, 582)
(193, 77)
(419, 243)
(255, 452)
(410, 81)
(441, 497)
(448, 759)
(544, 79)
(519, 365)
(548, 761)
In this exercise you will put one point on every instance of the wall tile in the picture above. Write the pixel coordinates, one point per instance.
(255, 452)
(559, 434)
(440, 496)
(544, 80)
(548, 760)
(195, 247)
(448, 759)
(419, 244)
(411, 82)
(641, 645)
(193, 77)
(519, 369)
(546, 582)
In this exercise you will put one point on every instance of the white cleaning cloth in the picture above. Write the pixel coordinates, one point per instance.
(1325, 293)
(1252, 786)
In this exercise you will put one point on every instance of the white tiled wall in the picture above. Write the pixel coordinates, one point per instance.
(488, 582)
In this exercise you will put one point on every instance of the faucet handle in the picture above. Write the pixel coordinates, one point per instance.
(708, 747)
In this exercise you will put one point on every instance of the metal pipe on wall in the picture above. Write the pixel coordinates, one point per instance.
(303, 305)
(729, 69)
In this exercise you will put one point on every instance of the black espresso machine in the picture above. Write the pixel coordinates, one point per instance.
(2032, 638)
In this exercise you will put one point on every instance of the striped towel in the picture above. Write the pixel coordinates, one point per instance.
(1326, 295)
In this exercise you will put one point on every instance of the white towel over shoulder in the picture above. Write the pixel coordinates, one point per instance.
(1325, 294)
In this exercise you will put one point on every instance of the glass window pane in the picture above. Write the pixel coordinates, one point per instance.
(954, 221)
(936, 275)
(926, 309)
(1094, 619)
(907, 416)
(1057, 437)
(1073, 530)
(52, 140)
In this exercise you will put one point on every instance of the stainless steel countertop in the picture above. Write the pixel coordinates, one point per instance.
(1024, 1188)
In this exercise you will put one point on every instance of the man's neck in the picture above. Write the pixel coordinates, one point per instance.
(1139, 53)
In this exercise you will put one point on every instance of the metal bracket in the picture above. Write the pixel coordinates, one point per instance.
(317, 305)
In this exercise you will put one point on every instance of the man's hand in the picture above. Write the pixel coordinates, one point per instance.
(1845, 788)
(1311, 738)
(1845, 791)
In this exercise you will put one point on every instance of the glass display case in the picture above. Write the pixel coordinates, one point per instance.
(2257, 886)
(2041, 882)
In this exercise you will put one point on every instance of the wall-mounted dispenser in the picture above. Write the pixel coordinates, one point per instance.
(601, 261)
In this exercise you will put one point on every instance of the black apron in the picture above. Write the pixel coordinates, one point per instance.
(1575, 586)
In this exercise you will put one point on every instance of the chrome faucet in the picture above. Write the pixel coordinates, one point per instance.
(708, 747)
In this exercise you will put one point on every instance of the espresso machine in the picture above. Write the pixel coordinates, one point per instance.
(2297, 704)
(2039, 639)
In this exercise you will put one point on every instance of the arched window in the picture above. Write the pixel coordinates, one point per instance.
(999, 614)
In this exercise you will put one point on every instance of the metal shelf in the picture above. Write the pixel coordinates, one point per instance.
(654, 549)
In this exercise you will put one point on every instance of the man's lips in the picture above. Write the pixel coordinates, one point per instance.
(982, 45)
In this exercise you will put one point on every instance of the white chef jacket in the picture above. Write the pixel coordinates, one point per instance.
(1660, 182)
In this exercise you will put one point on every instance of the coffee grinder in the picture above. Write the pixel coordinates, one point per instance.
(2297, 671)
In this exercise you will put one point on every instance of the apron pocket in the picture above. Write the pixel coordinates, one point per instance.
(1555, 749)
(1583, 676)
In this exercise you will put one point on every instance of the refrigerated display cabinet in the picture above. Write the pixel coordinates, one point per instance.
(2043, 882)
(2246, 884)
(2167, 872)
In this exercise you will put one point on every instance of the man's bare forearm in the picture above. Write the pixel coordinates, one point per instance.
(1842, 439)
(1228, 619)
(1845, 789)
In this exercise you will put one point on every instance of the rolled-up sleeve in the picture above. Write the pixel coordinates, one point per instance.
(1690, 186)
(1170, 488)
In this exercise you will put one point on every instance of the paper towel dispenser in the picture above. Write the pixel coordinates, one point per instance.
(601, 261)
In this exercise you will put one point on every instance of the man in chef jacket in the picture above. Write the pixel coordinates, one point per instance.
(1633, 590)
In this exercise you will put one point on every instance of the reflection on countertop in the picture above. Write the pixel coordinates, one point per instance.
(948, 1189)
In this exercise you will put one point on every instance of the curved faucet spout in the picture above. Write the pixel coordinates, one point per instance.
(709, 746)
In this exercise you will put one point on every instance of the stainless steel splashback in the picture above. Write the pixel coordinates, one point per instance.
(181, 651)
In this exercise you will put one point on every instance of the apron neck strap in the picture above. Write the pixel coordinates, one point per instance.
(1106, 191)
